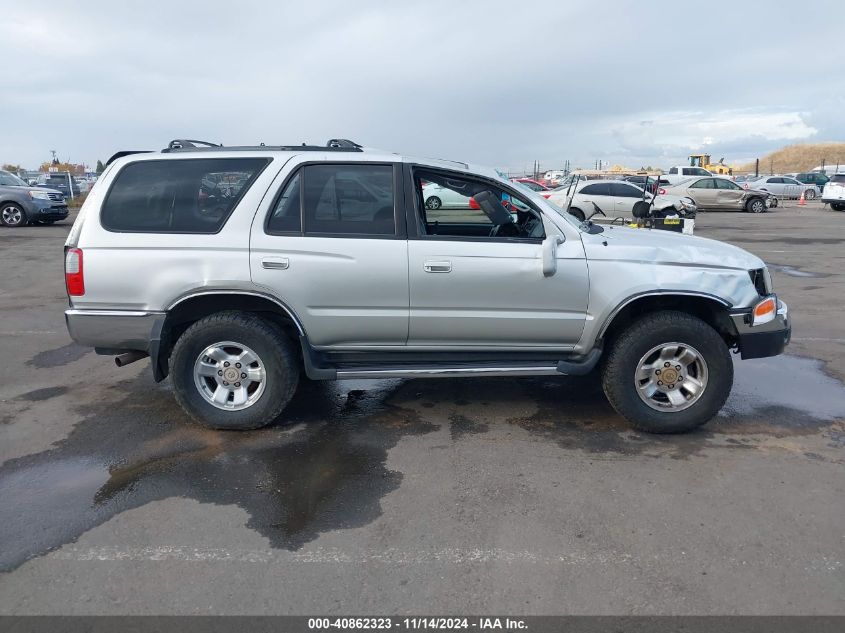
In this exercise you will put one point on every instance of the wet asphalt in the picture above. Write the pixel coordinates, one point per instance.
(425, 496)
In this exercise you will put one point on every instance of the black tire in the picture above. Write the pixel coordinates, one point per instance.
(809, 194)
(433, 202)
(837, 206)
(756, 205)
(12, 215)
(277, 355)
(577, 213)
(626, 351)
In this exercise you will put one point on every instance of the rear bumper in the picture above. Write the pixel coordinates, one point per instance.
(762, 341)
(115, 331)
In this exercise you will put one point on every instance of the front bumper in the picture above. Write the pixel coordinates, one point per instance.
(762, 341)
(46, 210)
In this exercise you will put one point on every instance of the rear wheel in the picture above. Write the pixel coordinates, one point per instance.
(756, 205)
(669, 372)
(234, 370)
(12, 215)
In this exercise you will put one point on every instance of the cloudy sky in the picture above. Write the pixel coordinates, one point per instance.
(499, 83)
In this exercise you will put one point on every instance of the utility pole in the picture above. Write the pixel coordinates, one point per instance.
(757, 168)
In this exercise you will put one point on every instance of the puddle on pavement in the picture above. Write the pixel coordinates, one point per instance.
(59, 356)
(325, 468)
(792, 271)
(322, 470)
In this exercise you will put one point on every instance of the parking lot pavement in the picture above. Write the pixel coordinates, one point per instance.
(523, 496)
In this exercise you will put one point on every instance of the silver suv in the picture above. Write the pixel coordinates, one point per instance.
(237, 269)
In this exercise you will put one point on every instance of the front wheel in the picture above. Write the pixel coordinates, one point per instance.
(837, 206)
(433, 202)
(577, 214)
(12, 215)
(756, 205)
(668, 372)
(810, 194)
(234, 370)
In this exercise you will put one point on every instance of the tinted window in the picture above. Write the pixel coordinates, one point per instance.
(598, 189)
(353, 199)
(673, 170)
(726, 184)
(286, 217)
(625, 191)
(10, 180)
(178, 196)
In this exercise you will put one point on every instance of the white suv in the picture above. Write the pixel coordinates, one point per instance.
(834, 192)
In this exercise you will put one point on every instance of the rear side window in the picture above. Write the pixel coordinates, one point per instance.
(348, 199)
(599, 189)
(838, 179)
(178, 196)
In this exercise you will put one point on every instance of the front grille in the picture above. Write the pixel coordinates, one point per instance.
(56, 197)
(758, 278)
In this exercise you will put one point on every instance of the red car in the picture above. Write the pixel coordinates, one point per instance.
(534, 185)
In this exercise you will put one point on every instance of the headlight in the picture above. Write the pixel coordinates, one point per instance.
(39, 195)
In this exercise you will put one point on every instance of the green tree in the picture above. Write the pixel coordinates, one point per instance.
(12, 168)
(100, 167)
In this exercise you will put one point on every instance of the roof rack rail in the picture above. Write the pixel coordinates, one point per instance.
(333, 145)
(187, 143)
(123, 153)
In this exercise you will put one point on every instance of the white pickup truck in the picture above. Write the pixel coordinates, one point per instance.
(680, 173)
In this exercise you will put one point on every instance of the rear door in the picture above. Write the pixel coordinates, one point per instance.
(330, 243)
(704, 192)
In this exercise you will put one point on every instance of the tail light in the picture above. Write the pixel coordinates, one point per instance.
(74, 278)
(661, 191)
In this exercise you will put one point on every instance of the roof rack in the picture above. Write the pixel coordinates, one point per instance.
(333, 145)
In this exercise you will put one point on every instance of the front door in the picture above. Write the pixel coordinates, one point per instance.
(331, 245)
(476, 275)
(728, 194)
(704, 193)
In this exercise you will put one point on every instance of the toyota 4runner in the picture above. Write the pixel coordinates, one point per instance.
(238, 269)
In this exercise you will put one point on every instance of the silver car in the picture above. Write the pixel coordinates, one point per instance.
(785, 187)
(325, 260)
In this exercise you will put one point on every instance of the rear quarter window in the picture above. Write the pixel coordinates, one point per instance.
(192, 195)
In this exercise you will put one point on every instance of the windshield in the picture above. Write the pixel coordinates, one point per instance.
(10, 180)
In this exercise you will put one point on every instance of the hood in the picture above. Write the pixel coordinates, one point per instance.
(42, 188)
(667, 248)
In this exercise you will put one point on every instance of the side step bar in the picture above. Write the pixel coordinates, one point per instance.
(576, 366)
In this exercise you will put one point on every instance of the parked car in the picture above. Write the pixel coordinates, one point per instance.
(300, 276)
(785, 187)
(834, 192)
(648, 183)
(813, 178)
(59, 182)
(22, 204)
(616, 198)
(679, 173)
(534, 185)
(554, 178)
(436, 197)
(721, 194)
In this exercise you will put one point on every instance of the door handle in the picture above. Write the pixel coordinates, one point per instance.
(437, 267)
(275, 263)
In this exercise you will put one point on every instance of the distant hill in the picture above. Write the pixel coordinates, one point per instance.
(796, 158)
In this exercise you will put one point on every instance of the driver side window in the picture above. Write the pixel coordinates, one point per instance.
(453, 206)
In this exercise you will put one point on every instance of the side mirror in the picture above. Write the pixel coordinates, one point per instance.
(550, 245)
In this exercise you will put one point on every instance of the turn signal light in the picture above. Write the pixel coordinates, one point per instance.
(764, 311)
(74, 279)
